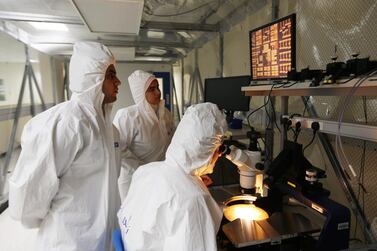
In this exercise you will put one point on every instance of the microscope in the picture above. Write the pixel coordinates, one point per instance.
(248, 161)
(258, 216)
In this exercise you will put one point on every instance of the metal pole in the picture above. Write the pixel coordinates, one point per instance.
(221, 54)
(191, 86)
(13, 134)
(53, 79)
(196, 76)
(38, 89)
(201, 88)
(269, 137)
(284, 110)
(342, 177)
(182, 88)
(66, 81)
(175, 95)
(32, 108)
(28, 66)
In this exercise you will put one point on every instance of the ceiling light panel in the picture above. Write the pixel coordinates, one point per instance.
(49, 26)
(111, 16)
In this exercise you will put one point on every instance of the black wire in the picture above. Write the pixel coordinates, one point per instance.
(274, 117)
(311, 141)
(287, 86)
(248, 116)
(297, 132)
(275, 85)
(268, 115)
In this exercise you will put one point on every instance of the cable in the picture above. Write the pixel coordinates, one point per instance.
(268, 115)
(285, 86)
(361, 188)
(310, 142)
(248, 116)
(182, 13)
(297, 130)
(338, 144)
(315, 127)
(274, 117)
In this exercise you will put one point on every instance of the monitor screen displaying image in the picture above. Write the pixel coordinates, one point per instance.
(226, 93)
(273, 49)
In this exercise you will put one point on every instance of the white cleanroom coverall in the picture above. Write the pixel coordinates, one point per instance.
(65, 178)
(144, 133)
(168, 207)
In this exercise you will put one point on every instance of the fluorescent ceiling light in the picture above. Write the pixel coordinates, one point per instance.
(49, 26)
(53, 49)
(118, 17)
(155, 34)
(154, 59)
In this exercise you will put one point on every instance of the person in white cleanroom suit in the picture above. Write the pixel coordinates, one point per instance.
(168, 207)
(63, 182)
(145, 128)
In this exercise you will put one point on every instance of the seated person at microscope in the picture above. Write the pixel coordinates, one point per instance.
(168, 207)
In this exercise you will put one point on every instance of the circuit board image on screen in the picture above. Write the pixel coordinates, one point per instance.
(272, 49)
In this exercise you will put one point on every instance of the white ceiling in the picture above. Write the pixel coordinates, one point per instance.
(169, 29)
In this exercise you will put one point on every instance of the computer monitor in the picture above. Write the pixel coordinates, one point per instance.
(273, 49)
(226, 93)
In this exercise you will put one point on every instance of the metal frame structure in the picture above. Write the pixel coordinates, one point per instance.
(339, 172)
(196, 83)
(328, 127)
(29, 77)
(175, 108)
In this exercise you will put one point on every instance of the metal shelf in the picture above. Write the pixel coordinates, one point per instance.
(367, 88)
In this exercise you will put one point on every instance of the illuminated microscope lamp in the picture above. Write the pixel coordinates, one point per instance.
(242, 207)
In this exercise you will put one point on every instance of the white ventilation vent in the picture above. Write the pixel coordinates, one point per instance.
(111, 16)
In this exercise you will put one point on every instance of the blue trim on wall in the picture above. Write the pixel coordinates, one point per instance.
(166, 95)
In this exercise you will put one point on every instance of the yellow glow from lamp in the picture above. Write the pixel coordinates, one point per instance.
(245, 211)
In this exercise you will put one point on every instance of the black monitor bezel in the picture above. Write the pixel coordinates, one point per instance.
(293, 44)
(231, 77)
